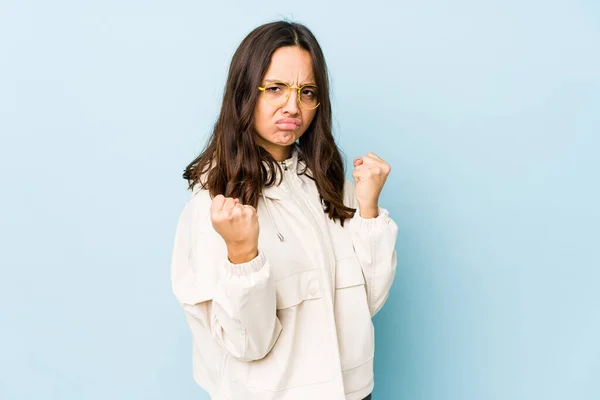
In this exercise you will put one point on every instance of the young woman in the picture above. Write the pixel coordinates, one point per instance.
(279, 262)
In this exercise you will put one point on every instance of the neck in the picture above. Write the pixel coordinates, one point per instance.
(279, 153)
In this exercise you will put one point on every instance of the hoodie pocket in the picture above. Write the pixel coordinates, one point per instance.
(303, 354)
(353, 320)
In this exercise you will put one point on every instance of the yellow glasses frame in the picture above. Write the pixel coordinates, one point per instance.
(287, 96)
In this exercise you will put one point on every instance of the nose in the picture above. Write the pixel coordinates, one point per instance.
(291, 105)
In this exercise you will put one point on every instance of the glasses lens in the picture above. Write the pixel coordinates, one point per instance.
(276, 93)
(309, 96)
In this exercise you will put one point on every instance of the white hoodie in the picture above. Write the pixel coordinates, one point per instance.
(294, 323)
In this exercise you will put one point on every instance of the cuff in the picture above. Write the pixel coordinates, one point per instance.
(382, 218)
(246, 268)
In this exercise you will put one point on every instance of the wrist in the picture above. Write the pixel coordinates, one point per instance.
(238, 254)
(369, 209)
(370, 212)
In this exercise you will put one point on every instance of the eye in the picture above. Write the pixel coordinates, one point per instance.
(309, 92)
(275, 87)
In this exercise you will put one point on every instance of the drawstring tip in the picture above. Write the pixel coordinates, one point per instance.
(280, 236)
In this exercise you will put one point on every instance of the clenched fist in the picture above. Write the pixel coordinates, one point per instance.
(238, 226)
(370, 173)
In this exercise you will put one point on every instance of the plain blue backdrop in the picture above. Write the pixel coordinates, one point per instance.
(488, 112)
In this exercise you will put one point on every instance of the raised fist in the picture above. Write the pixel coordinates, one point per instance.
(238, 226)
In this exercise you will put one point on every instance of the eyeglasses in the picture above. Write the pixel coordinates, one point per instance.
(278, 93)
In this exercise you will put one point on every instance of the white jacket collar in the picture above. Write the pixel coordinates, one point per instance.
(293, 165)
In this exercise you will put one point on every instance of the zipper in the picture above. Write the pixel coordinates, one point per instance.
(318, 222)
(322, 233)
(328, 250)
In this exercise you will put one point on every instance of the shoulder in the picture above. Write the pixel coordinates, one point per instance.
(197, 208)
(200, 198)
(349, 199)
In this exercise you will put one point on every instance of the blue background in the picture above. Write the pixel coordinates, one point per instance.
(488, 112)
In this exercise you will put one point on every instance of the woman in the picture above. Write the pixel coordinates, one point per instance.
(279, 262)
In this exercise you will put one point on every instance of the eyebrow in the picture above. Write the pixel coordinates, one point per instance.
(280, 80)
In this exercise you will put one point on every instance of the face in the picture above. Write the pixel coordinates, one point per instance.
(279, 127)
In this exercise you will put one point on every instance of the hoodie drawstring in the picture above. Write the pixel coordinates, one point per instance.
(279, 235)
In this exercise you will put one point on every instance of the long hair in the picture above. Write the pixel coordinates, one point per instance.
(233, 164)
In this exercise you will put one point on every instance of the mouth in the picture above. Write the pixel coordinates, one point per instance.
(287, 126)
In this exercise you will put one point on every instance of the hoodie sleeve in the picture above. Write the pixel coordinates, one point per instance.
(235, 304)
(374, 241)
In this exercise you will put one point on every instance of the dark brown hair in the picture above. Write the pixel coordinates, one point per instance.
(232, 159)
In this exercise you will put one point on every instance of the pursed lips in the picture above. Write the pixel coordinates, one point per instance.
(288, 124)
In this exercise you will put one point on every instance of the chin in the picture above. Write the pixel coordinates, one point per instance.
(285, 142)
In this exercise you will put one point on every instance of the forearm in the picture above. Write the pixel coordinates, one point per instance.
(244, 319)
(374, 242)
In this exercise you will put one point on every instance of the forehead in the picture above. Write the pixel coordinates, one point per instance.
(291, 64)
